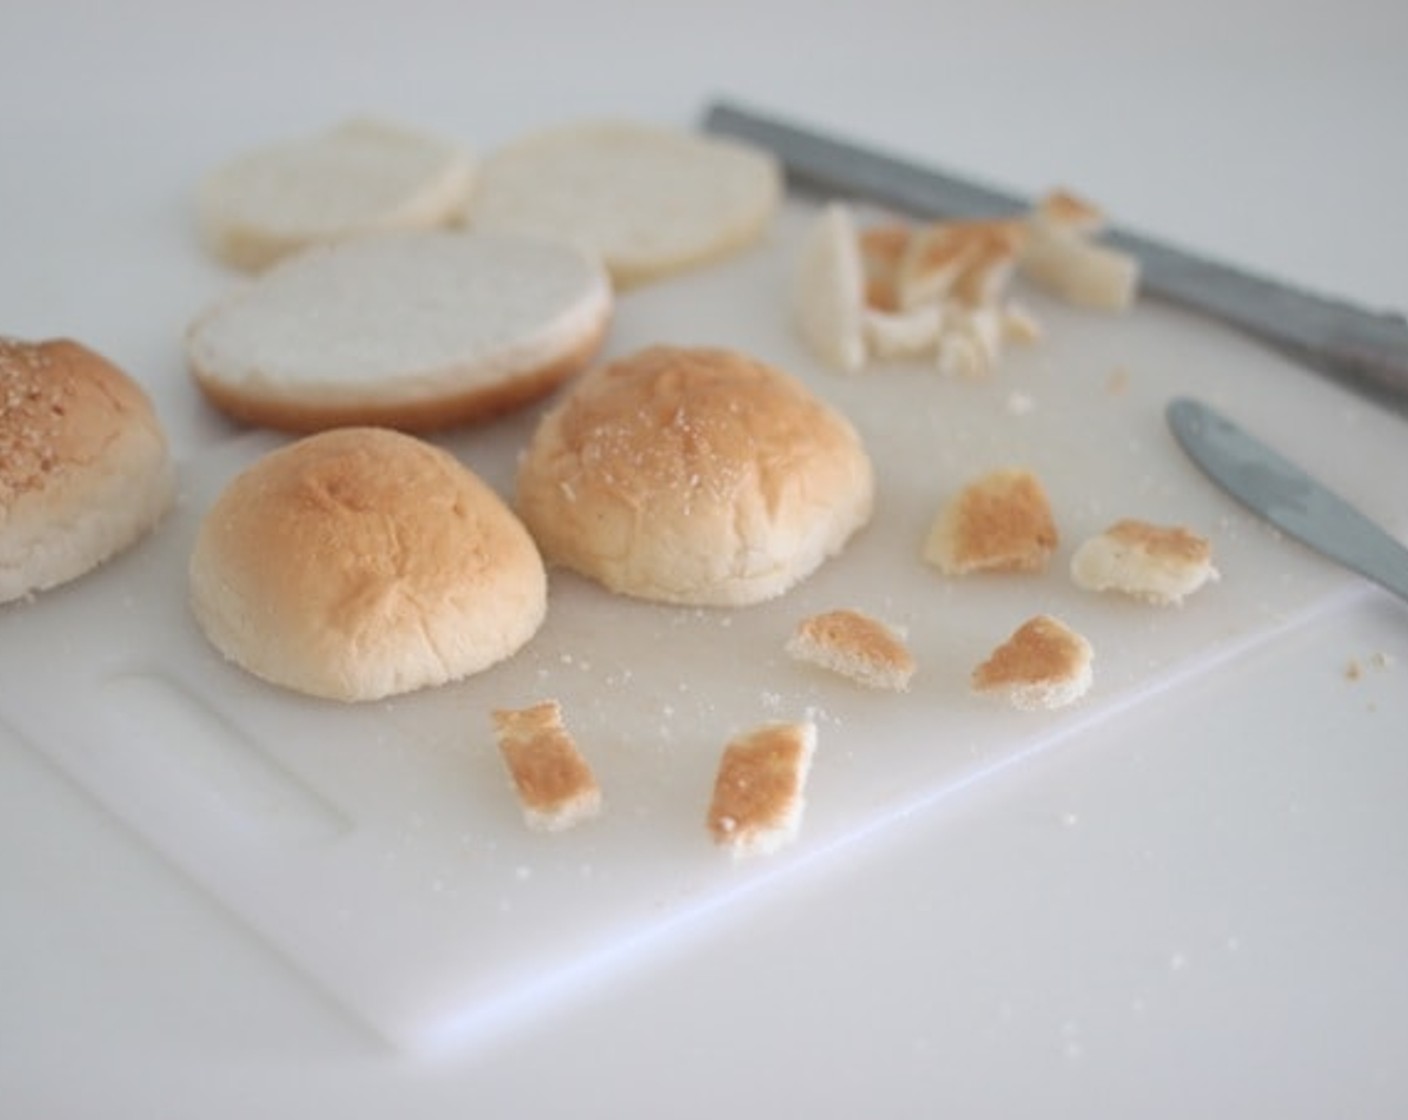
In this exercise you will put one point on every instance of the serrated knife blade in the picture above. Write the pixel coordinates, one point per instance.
(1369, 348)
(1274, 488)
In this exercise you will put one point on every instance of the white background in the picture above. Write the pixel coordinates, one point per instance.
(1199, 908)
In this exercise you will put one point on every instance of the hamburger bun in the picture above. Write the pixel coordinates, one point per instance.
(693, 476)
(359, 177)
(650, 200)
(416, 331)
(84, 469)
(360, 563)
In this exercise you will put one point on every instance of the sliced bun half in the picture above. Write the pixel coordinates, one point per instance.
(414, 331)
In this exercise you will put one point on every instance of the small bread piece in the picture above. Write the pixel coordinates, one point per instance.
(695, 476)
(1078, 271)
(968, 261)
(649, 200)
(1158, 563)
(1064, 209)
(416, 331)
(828, 291)
(1043, 665)
(84, 469)
(1000, 522)
(903, 334)
(359, 563)
(882, 247)
(856, 646)
(362, 176)
(758, 792)
(970, 343)
(555, 785)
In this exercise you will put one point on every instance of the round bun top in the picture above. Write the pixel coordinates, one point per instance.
(84, 469)
(361, 562)
(698, 476)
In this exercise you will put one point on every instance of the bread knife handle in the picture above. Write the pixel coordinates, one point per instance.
(1367, 347)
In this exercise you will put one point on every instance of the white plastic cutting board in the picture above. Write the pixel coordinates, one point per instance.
(380, 847)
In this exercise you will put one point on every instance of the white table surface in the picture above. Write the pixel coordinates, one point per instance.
(1198, 908)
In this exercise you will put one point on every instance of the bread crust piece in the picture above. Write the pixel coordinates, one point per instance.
(359, 177)
(360, 563)
(856, 646)
(758, 800)
(417, 331)
(1161, 564)
(555, 785)
(1043, 665)
(650, 200)
(694, 476)
(999, 522)
(84, 467)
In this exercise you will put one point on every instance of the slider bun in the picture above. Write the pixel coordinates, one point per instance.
(360, 563)
(694, 476)
(84, 470)
(416, 331)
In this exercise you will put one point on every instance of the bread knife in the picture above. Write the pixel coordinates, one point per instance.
(1369, 348)
(1276, 489)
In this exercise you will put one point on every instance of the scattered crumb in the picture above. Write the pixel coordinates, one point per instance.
(1118, 382)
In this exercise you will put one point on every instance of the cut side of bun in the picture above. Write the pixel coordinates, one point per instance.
(694, 476)
(362, 176)
(856, 646)
(758, 798)
(1161, 564)
(416, 331)
(649, 200)
(360, 563)
(84, 468)
(1043, 665)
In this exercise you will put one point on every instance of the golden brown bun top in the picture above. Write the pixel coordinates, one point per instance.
(60, 405)
(670, 421)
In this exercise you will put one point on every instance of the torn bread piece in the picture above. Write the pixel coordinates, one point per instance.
(1043, 665)
(1160, 564)
(970, 342)
(1080, 271)
(757, 803)
(969, 261)
(856, 646)
(1064, 209)
(1000, 522)
(882, 247)
(555, 785)
(902, 334)
(828, 291)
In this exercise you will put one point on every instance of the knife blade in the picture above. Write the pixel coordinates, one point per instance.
(1369, 348)
(1276, 489)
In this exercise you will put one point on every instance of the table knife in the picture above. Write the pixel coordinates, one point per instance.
(1274, 488)
(1369, 348)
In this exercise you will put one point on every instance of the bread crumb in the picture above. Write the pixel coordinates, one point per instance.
(758, 801)
(856, 646)
(555, 785)
(1043, 665)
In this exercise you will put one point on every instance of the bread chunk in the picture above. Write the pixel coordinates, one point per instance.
(555, 785)
(1043, 665)
(1162, 564)
(758, 793)
(999, 522)
(84, 467)
(856, 646)
(829, 291)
